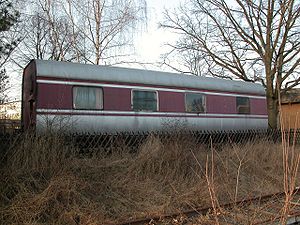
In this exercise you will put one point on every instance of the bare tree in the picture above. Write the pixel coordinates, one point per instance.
(106, 26)
(88, 31)
(250, 40)
(46, 33)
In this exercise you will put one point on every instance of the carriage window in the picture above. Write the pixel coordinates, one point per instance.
(144, 100)
(87, 98)
(195, 102)
(243, 105)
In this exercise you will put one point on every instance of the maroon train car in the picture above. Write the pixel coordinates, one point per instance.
(90, 98)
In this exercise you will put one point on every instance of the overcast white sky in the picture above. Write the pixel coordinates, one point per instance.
(150, 44)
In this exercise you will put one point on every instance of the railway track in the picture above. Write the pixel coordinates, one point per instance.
(265, 210)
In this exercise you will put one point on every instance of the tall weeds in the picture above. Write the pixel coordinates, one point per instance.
(45, 181)
(290, 161)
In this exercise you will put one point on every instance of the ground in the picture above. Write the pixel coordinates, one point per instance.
(45, 181)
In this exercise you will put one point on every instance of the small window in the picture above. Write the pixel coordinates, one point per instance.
(243, 105)
(87, 98)
(144, 100)
(195, 102)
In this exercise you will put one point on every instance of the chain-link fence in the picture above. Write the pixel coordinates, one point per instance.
(87, 142)
(9, 125)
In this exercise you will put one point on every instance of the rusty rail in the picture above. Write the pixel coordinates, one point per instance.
(269, 206)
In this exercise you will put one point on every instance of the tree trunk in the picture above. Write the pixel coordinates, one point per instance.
(272, 107)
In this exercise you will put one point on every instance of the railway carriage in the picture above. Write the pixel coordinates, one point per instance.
(91, 98)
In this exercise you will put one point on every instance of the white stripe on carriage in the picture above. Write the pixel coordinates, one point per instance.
(75, 112)
(145, 88)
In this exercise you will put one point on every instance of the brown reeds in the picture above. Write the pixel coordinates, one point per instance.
(244, 171)
(290, 161)
(44, 180)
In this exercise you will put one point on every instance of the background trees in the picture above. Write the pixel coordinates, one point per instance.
(8, 17)
(250, 40)
(87, 31)
(256, 41)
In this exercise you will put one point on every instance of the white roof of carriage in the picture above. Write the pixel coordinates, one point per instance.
(78, 71)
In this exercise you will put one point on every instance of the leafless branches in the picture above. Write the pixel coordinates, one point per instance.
(249, 40)
(88, 31)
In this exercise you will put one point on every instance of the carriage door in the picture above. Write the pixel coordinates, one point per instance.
(32, 110)
(29, 97)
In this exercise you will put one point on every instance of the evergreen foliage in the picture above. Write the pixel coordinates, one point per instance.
(8, 17)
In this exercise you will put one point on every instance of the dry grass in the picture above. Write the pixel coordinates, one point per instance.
(44, 182)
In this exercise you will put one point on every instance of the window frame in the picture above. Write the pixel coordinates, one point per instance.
(237, 106)
(87, 86)
(203, 102)
(145, 90)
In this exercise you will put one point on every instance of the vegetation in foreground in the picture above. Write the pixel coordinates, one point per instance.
(45, 182)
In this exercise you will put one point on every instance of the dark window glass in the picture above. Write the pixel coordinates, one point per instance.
(243, 105)
(144, 100)
(195, 102)
(87, 98)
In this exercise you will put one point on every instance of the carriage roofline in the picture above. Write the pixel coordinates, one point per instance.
(67, 70)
